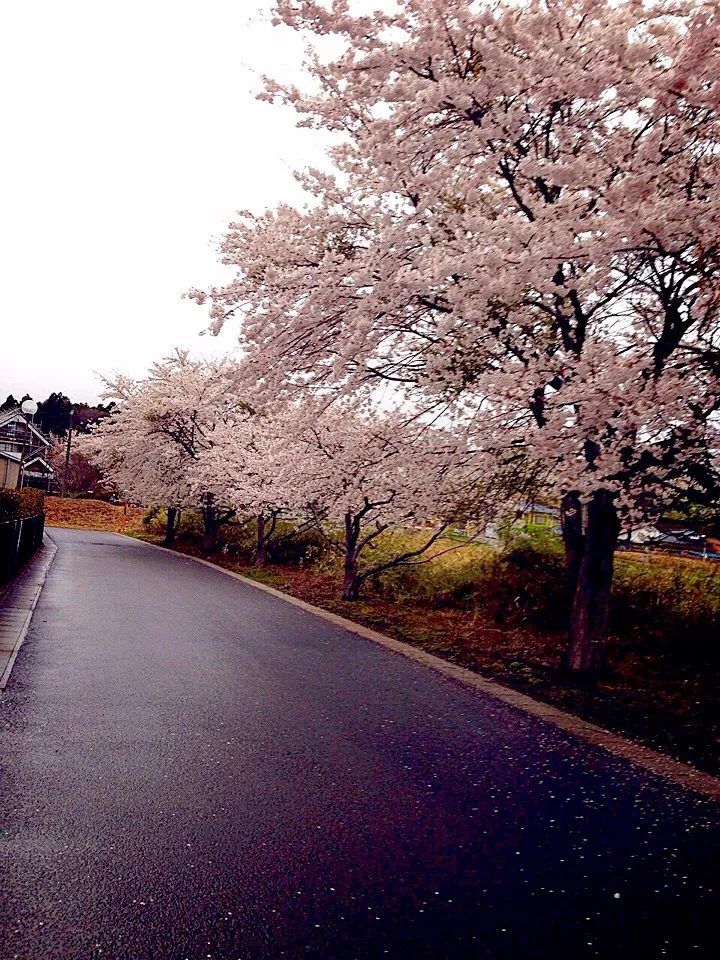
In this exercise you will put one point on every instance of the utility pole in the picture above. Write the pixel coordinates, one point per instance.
(67, 456)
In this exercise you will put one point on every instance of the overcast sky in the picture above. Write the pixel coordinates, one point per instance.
(131, 135)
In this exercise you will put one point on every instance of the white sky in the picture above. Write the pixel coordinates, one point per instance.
(131, 135)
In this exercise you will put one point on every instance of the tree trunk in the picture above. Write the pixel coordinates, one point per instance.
(261, 544)
(350, 579)
(571, 521)
(590, 554)
(351, 583)
(213, 519)
(170, 525)
(209, 524)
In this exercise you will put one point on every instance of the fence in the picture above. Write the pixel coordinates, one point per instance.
(19, 539)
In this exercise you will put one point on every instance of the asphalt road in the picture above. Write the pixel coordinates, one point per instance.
(191, 768)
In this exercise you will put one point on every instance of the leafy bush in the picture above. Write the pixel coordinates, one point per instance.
(297, 549)
(15, 504)
(672, 600)
(151, 514)
(528, 580)
(9, 504)
(531, 537)
(191, 525)
(522, 581)
(527, 587)
(238, 538)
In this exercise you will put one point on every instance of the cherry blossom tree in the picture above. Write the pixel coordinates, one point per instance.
(160, 428)
(364, 477)
(521, 232)
(252, 465)
(358, 476)
(77, 472)
(354, 475)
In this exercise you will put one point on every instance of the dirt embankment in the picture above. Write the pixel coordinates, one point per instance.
(92, 515)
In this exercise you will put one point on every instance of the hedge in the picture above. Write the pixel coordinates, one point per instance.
(18, 504)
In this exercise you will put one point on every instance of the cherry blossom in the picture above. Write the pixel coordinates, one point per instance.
(354, 476)
(160, 427)
(520, 234)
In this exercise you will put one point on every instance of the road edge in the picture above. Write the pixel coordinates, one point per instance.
(22, 598)
(614, 743)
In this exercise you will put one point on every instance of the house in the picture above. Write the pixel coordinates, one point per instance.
(537, 514)
(653, 535)
(540, 515)
(23, 449)
(673, 537)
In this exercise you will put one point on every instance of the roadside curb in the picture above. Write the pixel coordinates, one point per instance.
(19, 604)
(614, 743)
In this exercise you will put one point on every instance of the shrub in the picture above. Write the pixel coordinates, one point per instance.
(237, 538)
(191, 525)
(293, 549)
(656, 599)
(672, 600)
(528, 582)
(297, 548)
(150, 514)
(522, 582)
(531, 537)
(15, 504)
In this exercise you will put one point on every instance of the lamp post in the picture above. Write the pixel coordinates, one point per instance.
(63, 489)
(28, 408)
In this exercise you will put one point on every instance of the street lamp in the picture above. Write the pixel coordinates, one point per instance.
(28, 408)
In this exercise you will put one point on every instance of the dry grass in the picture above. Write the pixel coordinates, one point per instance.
(92, 515)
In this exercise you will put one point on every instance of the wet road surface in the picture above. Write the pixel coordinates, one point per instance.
(191, 768)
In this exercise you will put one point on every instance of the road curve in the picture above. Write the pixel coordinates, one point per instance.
(192, 768)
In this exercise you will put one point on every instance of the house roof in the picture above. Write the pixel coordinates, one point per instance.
(33, 458)
(39, 459)
(537, 508)
(16, 415)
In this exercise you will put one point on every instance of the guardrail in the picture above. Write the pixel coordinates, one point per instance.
(19, 539)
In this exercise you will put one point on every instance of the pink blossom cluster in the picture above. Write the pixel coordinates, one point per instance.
(161, 427)
(520, 235)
